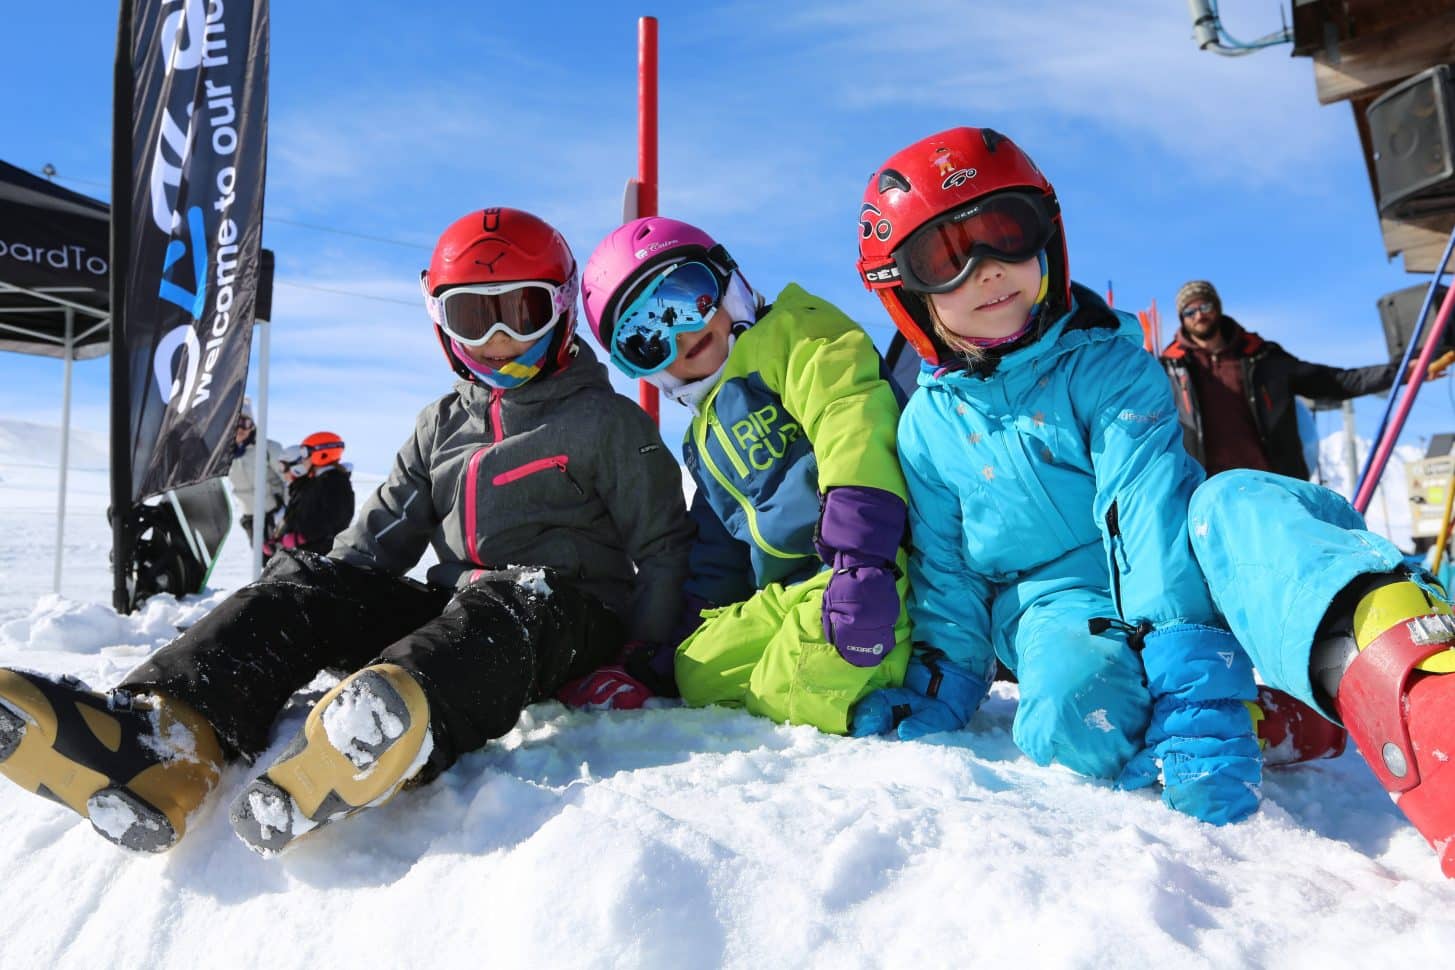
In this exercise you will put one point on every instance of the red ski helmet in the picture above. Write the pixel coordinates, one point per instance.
(945, 174)
(323, 448)
(501, 245)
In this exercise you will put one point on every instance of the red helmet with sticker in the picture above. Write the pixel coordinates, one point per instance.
(501, 245)
(998, 202)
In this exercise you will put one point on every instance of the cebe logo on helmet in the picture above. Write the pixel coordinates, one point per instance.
(501, 270)
(941, 206)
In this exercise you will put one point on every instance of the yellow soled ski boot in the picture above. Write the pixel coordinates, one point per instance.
(1397, 698)
(134, 765)
(361, 742)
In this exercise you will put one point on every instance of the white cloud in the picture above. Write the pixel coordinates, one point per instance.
(1128, 69)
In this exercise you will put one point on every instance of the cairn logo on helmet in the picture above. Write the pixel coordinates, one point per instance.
(877, 225)
(956, 179)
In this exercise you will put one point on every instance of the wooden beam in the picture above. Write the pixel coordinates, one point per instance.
(1377, 59)
(1421, 242)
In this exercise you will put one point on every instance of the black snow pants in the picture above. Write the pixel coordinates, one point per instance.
(481, 654)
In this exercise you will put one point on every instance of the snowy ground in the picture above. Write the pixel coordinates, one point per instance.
(678, 838)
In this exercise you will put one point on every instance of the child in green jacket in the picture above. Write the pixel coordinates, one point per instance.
(796, 572)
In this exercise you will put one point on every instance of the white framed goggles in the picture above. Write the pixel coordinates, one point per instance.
(524, 310)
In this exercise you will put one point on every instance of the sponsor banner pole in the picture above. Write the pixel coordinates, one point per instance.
(646, 194)
(121, 493)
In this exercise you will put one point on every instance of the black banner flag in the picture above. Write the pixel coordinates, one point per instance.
(188, 172)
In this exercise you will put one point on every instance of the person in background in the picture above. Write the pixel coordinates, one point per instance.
(320, 495)
(1235, 391)
(243, 474)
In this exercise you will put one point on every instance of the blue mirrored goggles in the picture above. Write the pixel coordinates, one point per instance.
(680, 299)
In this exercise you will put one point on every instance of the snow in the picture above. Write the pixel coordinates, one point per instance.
(669, 837)
(357, 723)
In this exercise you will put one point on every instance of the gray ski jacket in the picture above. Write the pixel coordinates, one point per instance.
(560, 472)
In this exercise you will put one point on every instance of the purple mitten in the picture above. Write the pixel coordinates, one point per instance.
(859, 535)
(860, 606)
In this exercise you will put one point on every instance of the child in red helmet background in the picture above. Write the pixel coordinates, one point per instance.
(320, 500)
(558, 520)
(1059, 525)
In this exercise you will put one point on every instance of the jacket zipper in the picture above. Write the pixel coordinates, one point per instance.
(1113, 540)
(530, 468)
(472, 477)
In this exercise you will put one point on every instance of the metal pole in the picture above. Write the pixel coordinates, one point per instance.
(1404, 362)
(1351, 446)
(647, 157)
(260, 450)
(1375, 468)
(65, 449)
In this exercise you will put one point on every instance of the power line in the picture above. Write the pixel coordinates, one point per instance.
(267, 218)
(361, 296)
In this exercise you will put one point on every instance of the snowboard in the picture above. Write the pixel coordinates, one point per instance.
(178, 538)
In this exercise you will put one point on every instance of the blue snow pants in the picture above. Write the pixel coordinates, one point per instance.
(1083, 702)
(1275, 552)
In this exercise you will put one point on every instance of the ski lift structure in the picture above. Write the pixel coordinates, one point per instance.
(1393, 61)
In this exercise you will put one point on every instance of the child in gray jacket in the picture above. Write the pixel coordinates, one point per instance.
(558, 519)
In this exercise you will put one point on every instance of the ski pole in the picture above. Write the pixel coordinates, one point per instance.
(1404, 361)
(1444, 535)
(1406, 401)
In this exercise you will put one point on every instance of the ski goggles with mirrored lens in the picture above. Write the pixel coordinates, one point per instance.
(679, 299)
(524, 310)
(940, 255)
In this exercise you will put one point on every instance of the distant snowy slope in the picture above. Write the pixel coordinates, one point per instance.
(1389, 509)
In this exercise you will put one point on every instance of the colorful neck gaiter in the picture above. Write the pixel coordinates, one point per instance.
(513, 374)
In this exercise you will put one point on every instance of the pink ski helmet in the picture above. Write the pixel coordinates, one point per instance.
(633, 251)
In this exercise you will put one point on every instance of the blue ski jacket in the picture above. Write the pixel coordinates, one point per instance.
(1068, 442)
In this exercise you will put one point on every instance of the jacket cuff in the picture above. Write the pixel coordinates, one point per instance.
(1194, 663)
(866, 523)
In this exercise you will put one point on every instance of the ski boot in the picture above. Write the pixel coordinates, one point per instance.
(136, 766)
(1397, 698)
(1290, 732)
(361, 742)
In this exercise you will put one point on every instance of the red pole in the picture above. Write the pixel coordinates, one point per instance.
(1416, 378)
(647, 156)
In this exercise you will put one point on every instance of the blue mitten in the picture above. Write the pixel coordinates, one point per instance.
(937, 696)
(1200, 743)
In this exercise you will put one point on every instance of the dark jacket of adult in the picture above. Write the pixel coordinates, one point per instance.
(1270, 378)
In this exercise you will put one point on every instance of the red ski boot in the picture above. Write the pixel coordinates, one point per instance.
(1398, 702)
(1290, 732)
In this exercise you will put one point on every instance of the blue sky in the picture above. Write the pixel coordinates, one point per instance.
(389, 122)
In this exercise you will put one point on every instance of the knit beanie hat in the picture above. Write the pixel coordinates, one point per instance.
(1196, 292)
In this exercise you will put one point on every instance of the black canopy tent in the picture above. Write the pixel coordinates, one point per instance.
(55, 291)
(55, 299)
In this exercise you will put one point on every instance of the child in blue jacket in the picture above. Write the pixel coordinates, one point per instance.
(1058, 524)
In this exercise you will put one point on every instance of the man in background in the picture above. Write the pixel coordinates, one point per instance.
(1235, 391)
